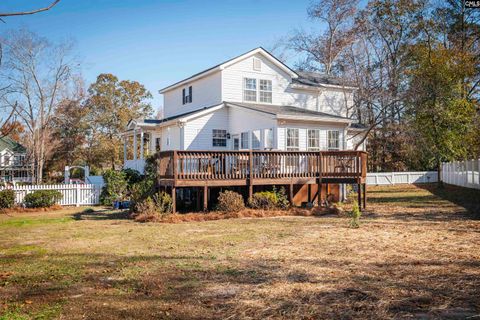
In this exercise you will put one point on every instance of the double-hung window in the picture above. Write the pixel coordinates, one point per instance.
(313, 136)
(292, 140)
(250, 89)
(219, 138)
(244, 140)
(333, 142)
(266, 91)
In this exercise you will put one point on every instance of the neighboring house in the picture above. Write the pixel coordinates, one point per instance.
(14, 166)
(253, 101)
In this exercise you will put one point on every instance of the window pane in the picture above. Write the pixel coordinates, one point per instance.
(314, 139)
(249, 95)
(250, 84)
(334, 140)
(292, 139)
(244, 138)
(219, 138)
(266, 91)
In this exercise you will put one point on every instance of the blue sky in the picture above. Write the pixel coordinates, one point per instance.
(160, 42)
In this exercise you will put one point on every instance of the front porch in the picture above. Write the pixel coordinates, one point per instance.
(204, 169)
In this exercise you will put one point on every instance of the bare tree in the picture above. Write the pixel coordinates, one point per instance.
(24, 13)
(38, 73)
(323, 49)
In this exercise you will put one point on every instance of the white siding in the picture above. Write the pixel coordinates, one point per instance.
(198, 131)
(207, 91)
(333, 101)
(244, 120)
(353, 138)
(302, 134)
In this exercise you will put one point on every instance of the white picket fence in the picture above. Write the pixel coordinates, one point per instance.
(392, 178)
(73, 194)
(462, 173)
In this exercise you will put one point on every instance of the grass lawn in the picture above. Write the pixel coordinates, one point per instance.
(416, 255)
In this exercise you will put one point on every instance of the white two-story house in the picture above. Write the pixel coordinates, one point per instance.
(253, 101)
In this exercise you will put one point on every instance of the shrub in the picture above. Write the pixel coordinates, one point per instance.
(42, 198)
(141, 191)
(163, 202)
(269, 200)
(229, 201)
(266, 200)
(355, 215)
(132, 176)
(7, 199)
(115, 187)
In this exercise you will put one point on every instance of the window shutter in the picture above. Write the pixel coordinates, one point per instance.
(183, 96)
(190, 94)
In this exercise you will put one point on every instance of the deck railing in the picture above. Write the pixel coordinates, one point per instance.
(232, 165)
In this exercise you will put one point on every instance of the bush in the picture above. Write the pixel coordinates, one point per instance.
(42, 198)
(7, 199)
(355, 215)
(229, 201)
(115, 187)
(269, 200)
(163, 202)
(141, 191)
(132, 176)
(152, 209)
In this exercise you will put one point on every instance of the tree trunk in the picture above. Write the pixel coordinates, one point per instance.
(439, 174)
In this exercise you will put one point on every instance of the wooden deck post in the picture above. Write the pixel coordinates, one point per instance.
(290, 189)
(364, 196)
(250, 174)
(309, 190)
(205, 198)
(174, 199)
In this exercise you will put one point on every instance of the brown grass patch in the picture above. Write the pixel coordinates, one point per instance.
(217, 215)
(18, 209)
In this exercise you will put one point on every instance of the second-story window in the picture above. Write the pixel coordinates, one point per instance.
(250, 89)
(333, 140)
(187, 95)
(266, 91)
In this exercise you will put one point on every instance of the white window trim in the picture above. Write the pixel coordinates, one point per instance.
(213, 137)
(257, 90)
(308, 140)
(328, 140)
(295, 148)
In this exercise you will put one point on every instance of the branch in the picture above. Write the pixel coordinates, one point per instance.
(24, 13)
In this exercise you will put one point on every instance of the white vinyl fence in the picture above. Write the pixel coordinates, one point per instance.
(391, 178)
(462, 173)
(73, 194)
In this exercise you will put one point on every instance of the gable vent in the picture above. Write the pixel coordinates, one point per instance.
(257, 64)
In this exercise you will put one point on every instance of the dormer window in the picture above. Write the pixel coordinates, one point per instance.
(187, 94)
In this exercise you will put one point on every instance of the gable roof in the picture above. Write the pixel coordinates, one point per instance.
(8, 143)
(292, 113)
(229, 62)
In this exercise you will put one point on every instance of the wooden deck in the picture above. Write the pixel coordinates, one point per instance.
(249, 168)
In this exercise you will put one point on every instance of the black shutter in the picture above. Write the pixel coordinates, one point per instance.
(183, 96)
(190, 94)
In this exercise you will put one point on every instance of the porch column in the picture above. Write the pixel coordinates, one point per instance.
(134, 144)
(141, 145)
